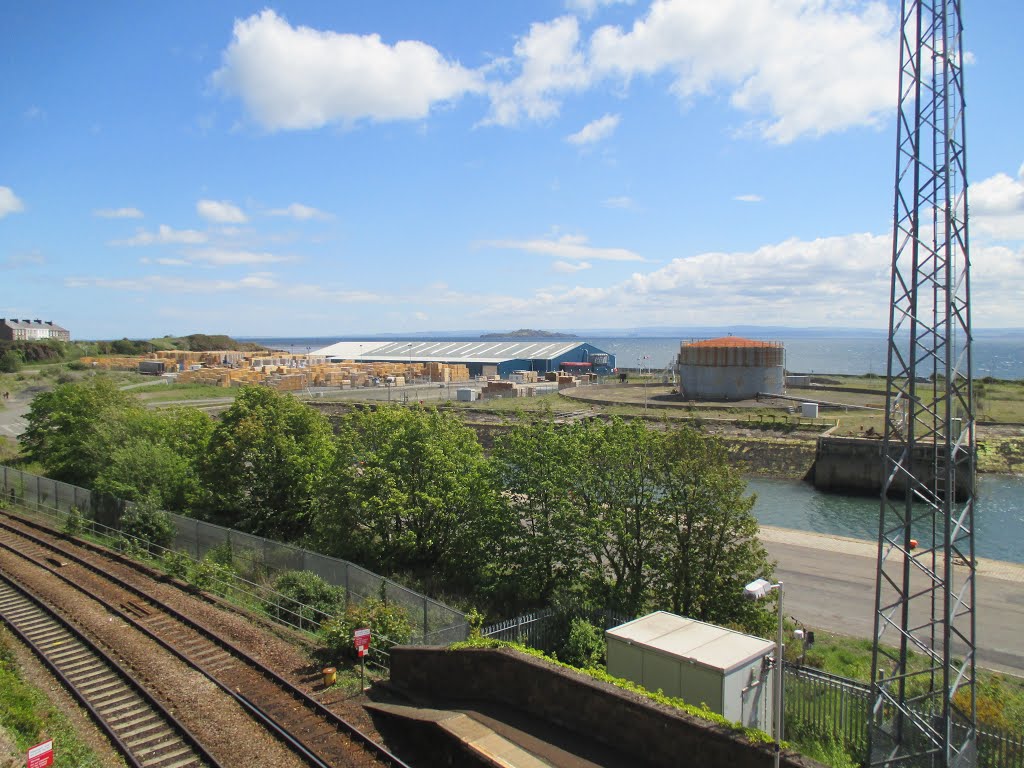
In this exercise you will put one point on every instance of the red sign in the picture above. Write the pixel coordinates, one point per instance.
(41, 755)
(361, 637)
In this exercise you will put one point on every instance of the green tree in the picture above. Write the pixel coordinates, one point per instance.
(618, 486)
(709, 546)
(159, 458)
(267, 465)
(73, 428)
(538, 540)
(411, 485)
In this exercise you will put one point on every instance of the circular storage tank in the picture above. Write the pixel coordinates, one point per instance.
(730, 368)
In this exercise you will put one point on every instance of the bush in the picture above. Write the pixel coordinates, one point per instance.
(74, 523)
(177, 564)
(211, 576)
(822, 743)
(147, 523)
(584, 647)
(10, 361)
(303, 599)
(388, 623)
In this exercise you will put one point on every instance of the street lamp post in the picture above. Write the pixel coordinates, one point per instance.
(756, 590)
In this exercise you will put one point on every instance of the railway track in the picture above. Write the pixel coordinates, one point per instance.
(145, 733)
(321, 737)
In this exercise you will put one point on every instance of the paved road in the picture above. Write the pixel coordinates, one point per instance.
(830, 585)
(12, 415)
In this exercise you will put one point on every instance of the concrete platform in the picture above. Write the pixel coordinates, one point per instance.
(493, 749)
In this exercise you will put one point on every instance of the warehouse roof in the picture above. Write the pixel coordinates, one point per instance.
(695, 641)
(448, 351)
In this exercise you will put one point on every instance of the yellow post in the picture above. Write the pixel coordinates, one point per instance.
(330, 676)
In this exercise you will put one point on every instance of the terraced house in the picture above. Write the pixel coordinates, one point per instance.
(31, 330)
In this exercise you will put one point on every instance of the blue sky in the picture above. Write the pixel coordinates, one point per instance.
(355, 168)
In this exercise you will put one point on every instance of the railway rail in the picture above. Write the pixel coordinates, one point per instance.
(146, 734)
(318, 735)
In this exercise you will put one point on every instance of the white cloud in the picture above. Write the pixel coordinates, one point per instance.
(9, 202)
(297, 77)
(220, 212)
(299, 211)
(222, 257)
(623, 201)
(164, 284)
(594, 131)
(997, 206)
(164, 235)
(748, 198)
(565, 247)
(118, 213)
(550, 63)
(569, 267)
(796, 67)
(588, 8)
(830, 281)
(254, 281)
(811, 66)
(840, 281)
(20, 260)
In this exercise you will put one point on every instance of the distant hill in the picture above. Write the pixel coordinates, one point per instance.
(528, 333)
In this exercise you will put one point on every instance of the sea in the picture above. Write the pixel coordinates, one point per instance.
(999, 354)
(999, 503)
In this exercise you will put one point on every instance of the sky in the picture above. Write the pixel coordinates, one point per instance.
(354, 168)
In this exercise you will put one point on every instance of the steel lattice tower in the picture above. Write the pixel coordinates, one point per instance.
(923, 708)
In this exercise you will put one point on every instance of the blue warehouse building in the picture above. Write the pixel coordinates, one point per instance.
(482, 358)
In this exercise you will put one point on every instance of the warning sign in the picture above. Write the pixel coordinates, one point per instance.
(361, 638)
(41, 755)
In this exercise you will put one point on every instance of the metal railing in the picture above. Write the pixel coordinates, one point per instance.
(254, 558)
(541, 629)
(821, 703)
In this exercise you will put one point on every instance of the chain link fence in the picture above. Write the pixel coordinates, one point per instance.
(254, 558)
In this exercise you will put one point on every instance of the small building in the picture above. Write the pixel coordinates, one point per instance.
(12, 329)
(697, 662)
(152, 367)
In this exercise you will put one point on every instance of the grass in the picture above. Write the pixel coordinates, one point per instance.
(172, 392)
(29, 718)
(1000, 697)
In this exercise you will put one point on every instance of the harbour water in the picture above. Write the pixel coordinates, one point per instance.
(998, 513)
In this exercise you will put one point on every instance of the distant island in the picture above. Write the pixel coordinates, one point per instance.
(528, 333)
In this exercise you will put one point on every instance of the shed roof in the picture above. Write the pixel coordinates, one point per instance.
(448, 351)
(694, 641)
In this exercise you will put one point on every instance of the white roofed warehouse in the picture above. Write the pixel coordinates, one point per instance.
(481, 357)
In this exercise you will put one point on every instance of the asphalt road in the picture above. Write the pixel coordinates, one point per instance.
(830, 585)
(12, 415)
